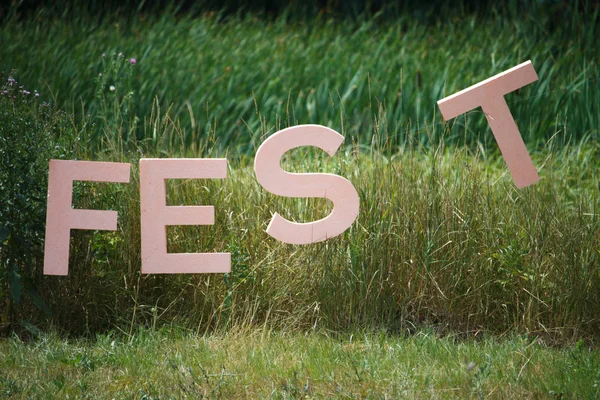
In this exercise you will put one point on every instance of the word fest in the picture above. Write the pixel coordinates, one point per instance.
(156, 215)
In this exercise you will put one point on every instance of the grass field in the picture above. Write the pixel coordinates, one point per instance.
(465, 285)
(260, 364)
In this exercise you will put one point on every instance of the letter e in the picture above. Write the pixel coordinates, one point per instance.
(156, 215)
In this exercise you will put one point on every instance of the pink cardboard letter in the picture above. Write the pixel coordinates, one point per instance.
(489, 94)
(61, 217)
(332, 187)
(156, 215)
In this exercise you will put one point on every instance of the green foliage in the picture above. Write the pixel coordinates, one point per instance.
(240, 77)
(31, 133)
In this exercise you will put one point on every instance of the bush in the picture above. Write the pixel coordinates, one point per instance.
(31, 133)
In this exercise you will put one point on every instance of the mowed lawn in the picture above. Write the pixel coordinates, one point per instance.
(262, 364)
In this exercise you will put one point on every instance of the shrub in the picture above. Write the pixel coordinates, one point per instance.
(31, 133)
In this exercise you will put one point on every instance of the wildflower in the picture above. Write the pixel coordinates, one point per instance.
(37, 95)
(4, 92)
(103, 55)
(132, 61)
(57, 147)
(11, 81)
(112, 88)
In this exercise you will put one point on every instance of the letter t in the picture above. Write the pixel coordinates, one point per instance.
(489, 94)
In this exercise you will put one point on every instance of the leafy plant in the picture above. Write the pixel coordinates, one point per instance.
(31, 133)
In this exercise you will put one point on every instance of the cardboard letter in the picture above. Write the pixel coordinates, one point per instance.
(489, 94)
(60, 215)
(156, 215)
(332, 187)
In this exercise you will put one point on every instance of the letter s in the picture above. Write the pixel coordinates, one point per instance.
(332, 187)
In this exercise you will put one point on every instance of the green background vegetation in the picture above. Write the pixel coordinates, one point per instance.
(443, 237)
(445, 247)
(241, 76)
(444, 240)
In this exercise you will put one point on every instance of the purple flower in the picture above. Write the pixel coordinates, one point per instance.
(37, 95)
(57, 147)
(132, 61)
(4, 92)
(11, 81)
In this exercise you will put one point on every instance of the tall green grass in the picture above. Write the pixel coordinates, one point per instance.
(443, 238)
(218, 72)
